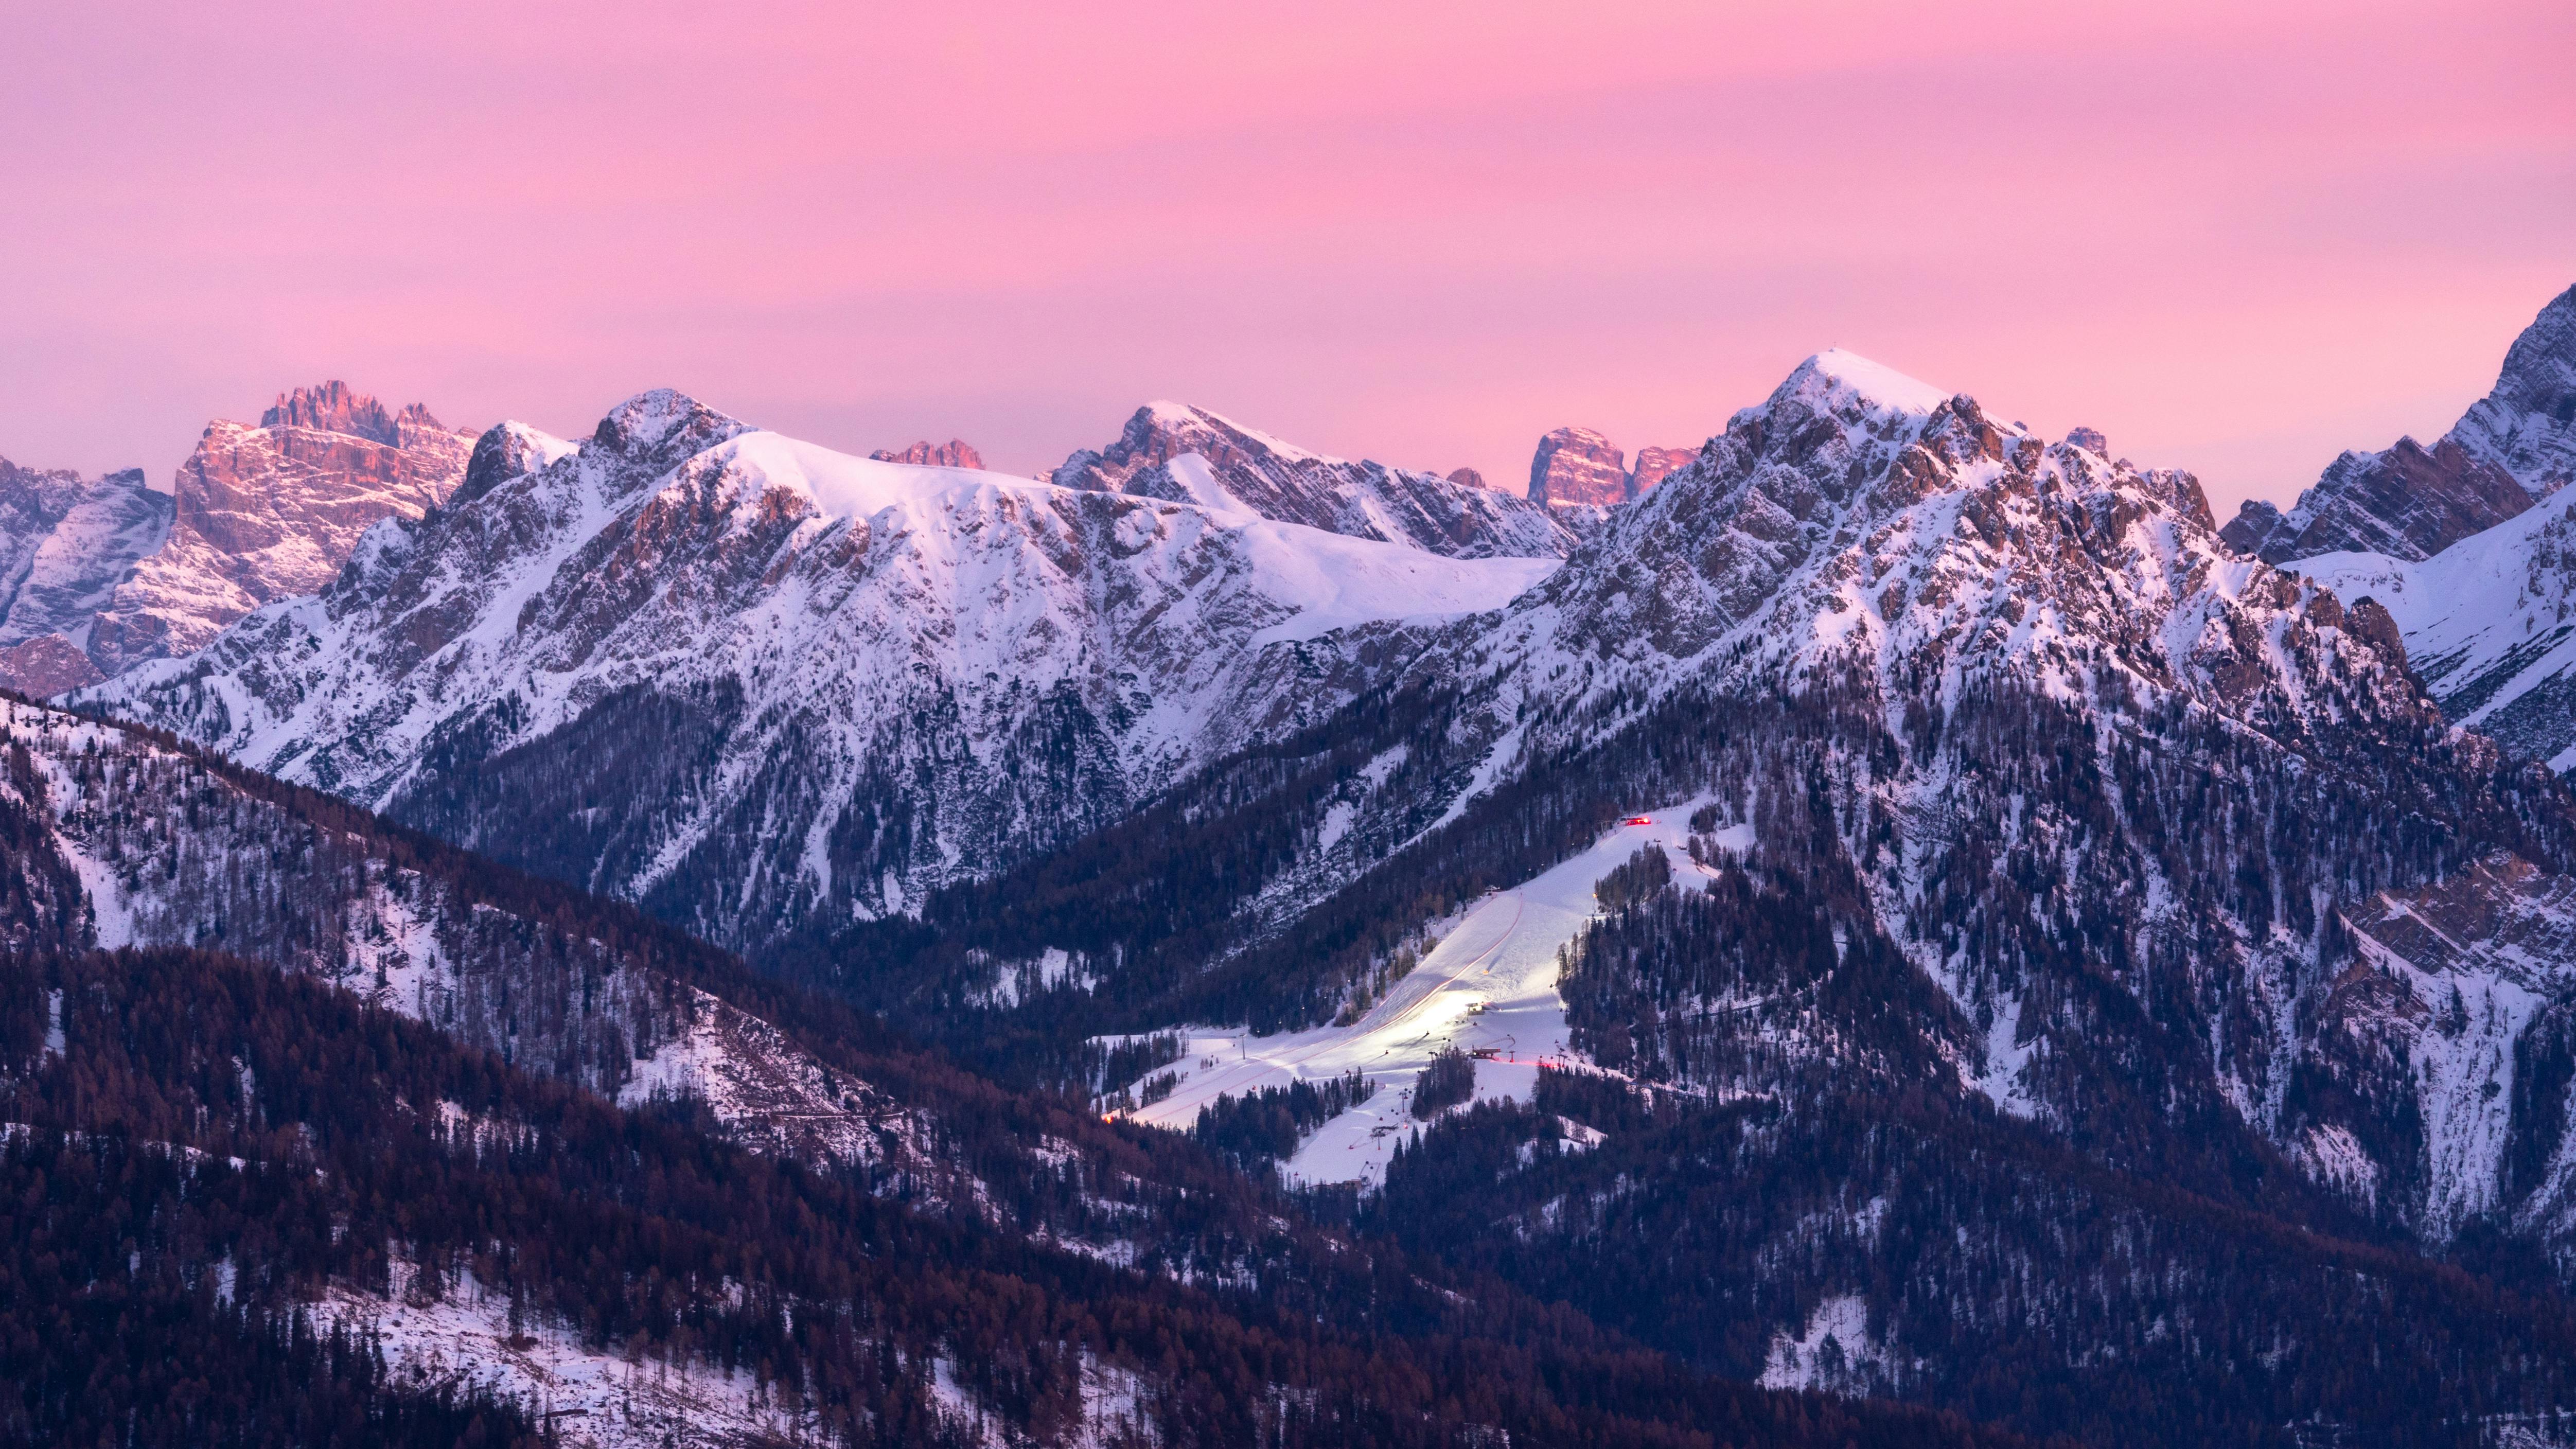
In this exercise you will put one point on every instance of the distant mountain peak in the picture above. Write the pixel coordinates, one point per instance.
(335, 407)
(1582, 466)
(955, 453)
(1251, 470)
(664, 422)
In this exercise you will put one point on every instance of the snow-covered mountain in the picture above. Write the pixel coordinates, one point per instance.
(2065, 887)
(2002, 808)
(66, 542)
(752, 681)
(2527, 424)
(2490, 624)
(1238, 469)
(2512, 447)
(2115, 798)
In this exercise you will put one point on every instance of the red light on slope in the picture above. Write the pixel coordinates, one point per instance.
(1638, 820)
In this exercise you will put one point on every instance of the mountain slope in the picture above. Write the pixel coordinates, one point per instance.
(2490, 624)
(2512, 447)
(2048, 807)
(750, 682)
(65, 544)
(383, 1163)
(1242, 469)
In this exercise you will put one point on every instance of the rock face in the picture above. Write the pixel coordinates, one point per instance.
(65, 544)
(1578, 465)
(2407, 502)
(2514, 446)
(270, 512)
(751, 682)
(951, 454)
(1654, 465)
(1185, 454)
(1467, 478)
(2527, 424)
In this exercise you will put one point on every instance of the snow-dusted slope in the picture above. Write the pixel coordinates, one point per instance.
(1487, 985)
(750, 680)
(65, 544)
(1239, 468)
(2490, 624)
(169, 853)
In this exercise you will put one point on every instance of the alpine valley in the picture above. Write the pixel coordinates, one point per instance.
(1880, 929)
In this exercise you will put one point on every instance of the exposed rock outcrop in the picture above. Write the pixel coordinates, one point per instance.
(1578, 465)
(955, 453)
(2512, 447)
(271, 512)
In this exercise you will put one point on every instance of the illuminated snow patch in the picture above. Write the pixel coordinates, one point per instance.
(1488, 987)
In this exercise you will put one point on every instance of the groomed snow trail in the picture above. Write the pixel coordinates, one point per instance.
(1490, 985)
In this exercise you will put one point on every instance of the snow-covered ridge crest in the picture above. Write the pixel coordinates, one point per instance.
(1870, 383)
(866, 677)
(1188, 454)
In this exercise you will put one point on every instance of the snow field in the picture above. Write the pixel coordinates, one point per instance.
(1490, 985)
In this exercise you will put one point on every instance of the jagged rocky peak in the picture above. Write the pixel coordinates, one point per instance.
(2513, 446)
(2527, 424)
(1158, 432)
(272, 511)
(2090, 440)
(1857, 508)
(1654, 465)
(1467, 478)
(1578, 465)
(2409, 502)
(335, 407)
(955, 453)
(664, 422)
(506, 450)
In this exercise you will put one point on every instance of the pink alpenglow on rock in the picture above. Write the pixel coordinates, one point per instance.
(1654, 465)
(40, 668)
(271, 512)
(1468, 478)
(1578, 465)
(925, 454)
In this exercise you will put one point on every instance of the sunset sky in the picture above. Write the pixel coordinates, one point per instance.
(2237, 237)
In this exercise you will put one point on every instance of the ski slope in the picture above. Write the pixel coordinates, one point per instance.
(1490, 984)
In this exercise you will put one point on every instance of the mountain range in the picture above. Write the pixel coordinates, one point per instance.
(1882, 906)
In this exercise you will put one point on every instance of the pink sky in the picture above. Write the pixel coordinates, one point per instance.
(2236, 237)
